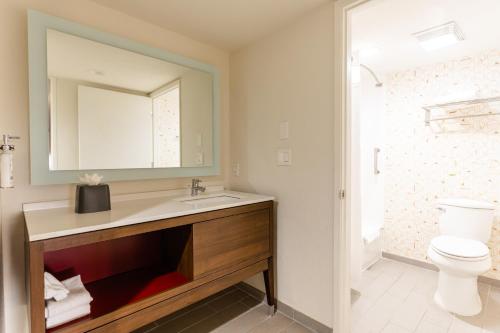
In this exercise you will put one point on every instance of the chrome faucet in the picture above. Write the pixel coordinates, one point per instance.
(196, 187)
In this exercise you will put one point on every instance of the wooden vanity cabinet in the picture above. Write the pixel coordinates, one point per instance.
(142, 272)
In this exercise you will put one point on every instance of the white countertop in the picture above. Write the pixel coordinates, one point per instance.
(56, 219)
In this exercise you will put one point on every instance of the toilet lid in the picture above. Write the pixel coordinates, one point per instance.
(460, 247)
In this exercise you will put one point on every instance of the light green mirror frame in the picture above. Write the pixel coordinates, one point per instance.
(38, 23)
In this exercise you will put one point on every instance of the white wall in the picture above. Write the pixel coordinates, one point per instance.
(15, 120)
(288, 76)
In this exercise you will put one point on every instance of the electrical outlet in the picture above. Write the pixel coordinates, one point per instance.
(284, 157)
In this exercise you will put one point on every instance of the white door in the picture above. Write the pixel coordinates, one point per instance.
(115, 129)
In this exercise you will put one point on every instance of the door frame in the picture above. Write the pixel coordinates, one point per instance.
(342, 167)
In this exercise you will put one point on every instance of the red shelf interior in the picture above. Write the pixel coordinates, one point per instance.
(114, 292)
(117, 291)
(118, 272)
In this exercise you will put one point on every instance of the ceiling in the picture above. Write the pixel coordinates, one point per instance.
(76, 58)
(227, 24)
(382, 31)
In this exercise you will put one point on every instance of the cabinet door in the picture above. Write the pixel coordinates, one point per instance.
(222, 242)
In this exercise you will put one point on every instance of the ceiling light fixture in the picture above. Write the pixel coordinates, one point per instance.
(439, 36)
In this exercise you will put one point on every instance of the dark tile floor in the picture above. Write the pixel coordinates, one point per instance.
(230, 311)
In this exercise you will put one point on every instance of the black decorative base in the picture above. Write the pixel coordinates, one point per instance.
(92, 198)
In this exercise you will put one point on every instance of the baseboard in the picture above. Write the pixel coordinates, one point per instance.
(410, 261)
(288, 310)
(428, 265)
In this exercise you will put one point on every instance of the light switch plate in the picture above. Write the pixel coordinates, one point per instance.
(284, 157)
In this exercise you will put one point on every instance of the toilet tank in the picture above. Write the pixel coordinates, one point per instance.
(466, 218)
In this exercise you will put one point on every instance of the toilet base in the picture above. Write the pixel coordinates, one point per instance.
(458, 294)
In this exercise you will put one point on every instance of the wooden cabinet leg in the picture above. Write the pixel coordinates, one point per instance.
(36, 285)
(269, 282)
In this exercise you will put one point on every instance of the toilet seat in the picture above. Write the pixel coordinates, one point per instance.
(460, 248)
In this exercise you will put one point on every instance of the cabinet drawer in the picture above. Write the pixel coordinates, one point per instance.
(229, 240)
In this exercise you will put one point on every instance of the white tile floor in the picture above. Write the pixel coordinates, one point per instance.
(397, 298)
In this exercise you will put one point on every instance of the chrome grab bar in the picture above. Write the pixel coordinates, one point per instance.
(376, 151)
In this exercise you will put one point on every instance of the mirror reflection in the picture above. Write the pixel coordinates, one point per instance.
(115, 109)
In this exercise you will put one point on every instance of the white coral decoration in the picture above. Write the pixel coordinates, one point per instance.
(93, 179)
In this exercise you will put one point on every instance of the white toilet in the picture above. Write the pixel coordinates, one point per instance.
(460, 253)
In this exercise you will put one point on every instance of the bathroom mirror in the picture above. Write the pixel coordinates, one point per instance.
(101, 103)
(115, 109)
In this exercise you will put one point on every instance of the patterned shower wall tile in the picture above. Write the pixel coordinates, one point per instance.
(453, 159)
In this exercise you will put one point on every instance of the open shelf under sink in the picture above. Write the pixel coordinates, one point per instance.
(119, 290)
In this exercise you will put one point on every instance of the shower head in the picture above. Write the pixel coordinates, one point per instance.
(372, 73)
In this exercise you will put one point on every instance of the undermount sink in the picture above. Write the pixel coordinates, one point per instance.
(211, 200)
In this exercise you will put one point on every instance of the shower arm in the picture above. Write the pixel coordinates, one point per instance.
(372, 73)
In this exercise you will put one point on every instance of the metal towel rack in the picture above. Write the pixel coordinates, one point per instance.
(455, 106)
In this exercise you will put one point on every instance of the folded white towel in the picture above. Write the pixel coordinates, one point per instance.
(77, 296)
(68, 316)
(54, 288)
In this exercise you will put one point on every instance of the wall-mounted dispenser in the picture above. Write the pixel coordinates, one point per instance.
(6, 163)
